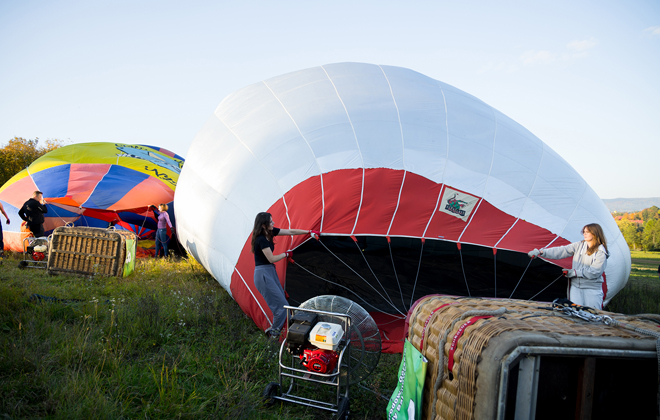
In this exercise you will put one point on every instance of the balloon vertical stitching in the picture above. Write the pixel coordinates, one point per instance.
(490, 171)
(311, 151)
(403, 151)
(357, 143)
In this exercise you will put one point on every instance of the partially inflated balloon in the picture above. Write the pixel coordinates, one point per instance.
(94, 184)
(416, 186)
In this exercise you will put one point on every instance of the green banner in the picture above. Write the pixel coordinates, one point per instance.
(406, 401)
(129, 264)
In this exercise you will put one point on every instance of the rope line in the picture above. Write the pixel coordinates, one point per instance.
(374, 274)
(342, 286)
(521, 277)
(495, 271)
(396, 276)
(460, 253)
(419, 265)
(362, 278)
(553, 282)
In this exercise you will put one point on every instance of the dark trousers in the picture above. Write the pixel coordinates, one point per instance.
(161, 242)
(37, 230)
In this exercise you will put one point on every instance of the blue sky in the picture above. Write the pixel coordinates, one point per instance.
(584, 76)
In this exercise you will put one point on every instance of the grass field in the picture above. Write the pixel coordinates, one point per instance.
(167, 342)
(642, 293)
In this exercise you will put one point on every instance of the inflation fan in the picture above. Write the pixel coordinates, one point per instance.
(331, 343)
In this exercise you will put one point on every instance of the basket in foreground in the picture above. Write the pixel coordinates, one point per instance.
(501, 359)
(91, 251)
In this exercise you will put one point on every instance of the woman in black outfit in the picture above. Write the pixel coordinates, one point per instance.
(265, 275)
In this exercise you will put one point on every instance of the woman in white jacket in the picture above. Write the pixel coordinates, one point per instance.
(589, 262)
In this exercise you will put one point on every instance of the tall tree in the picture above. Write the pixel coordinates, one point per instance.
(632, 233)
(19, 153)
(650, 214)
(651, 235)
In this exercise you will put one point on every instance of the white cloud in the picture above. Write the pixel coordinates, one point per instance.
(581, 46)
(574, 50)
(542, 56)
(499, 66)
(654, 30)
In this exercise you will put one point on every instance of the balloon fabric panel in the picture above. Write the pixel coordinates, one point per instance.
(148, 191)
(412, 220)
(18, 191)
(53, 181)
(379, 201)
(114, 185)
(83, 179)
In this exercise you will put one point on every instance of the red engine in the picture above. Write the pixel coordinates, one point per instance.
(319, 360)
(38, 256)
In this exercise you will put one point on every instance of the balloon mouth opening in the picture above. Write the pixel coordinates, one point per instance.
(390, 276)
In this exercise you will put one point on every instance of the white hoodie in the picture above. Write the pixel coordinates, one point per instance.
(589, 269)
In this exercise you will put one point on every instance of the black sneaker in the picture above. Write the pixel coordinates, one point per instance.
(274, 334)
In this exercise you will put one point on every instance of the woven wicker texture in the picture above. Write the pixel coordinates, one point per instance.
(435, 321)
(88, 251)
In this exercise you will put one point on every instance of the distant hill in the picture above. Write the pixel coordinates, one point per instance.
(627, 205)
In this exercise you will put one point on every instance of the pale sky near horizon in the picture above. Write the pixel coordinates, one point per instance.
(583, 76)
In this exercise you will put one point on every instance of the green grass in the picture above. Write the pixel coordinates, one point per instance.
(167, 342)
(642, 293)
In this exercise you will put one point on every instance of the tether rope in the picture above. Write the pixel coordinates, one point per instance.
(396, 276)
(419, 265)
(542, 290)
(342, 286)
(374, 274)
(363, 279)
(460, 253)
(495, 271)
(521, 277)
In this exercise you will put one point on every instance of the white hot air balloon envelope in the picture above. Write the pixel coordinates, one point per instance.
(417, 187)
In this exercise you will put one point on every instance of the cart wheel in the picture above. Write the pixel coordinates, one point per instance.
(342, 409)
(22, 264)
(270, 392)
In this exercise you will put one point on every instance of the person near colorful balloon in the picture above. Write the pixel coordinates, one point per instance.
(161, 233)
(32, 213)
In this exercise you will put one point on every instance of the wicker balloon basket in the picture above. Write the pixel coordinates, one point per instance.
(92, 251)
(501, 359)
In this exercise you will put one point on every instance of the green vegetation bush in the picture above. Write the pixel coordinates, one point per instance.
(640, 229)
(19, 153)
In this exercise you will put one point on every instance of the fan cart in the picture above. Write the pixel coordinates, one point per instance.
(35, 252)
(331, 344)
(292, 369)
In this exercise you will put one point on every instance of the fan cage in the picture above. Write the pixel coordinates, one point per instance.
(364, 334)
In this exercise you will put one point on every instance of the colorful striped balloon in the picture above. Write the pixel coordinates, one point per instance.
(94, 184)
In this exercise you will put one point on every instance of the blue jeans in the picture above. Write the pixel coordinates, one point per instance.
(267, 283)
(161, 241)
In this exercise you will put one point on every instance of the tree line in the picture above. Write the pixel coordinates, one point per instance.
(19, 153)
(640, 229)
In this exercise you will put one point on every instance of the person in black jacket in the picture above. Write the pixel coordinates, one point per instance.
(33, 213)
